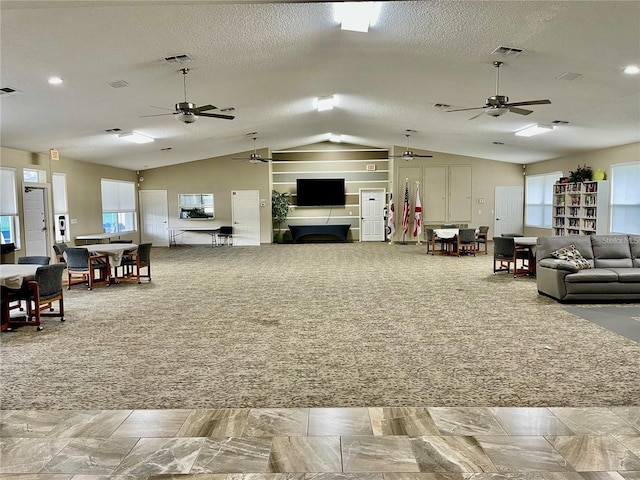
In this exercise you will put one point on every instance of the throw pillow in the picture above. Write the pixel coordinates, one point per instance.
(571, 254)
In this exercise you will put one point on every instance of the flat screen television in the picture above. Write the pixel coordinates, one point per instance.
(320, 192)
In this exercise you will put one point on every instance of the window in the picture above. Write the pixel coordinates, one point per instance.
(60, 209)
(8, 207)
(118, 206)
(625, 198)
(539, 199)
(34, 176)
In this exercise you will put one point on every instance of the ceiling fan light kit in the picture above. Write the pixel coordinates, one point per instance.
(255, 157)
(408, 154)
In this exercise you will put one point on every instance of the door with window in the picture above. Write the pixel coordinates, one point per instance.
(35, 221)
(245, 205)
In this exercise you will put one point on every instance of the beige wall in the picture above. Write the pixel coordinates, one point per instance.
(219, 176)
(602, 159)
(83, 187)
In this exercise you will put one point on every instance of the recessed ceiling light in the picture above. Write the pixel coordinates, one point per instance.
(357, 16)
(55, 80)
(135, 137)
(632, 70)
(325, 103)
(335, 138)
(534, 130)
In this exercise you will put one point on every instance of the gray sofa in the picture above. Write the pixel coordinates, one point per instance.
(614, 274)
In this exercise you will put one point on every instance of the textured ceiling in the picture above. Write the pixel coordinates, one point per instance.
(270, 60)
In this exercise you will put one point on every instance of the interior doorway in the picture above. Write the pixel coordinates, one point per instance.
(245, 206)
(36, 226)
(372, 204)
(509, 212)
(154, 217)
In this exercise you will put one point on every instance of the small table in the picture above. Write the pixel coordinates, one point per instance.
(115, 251)
(174, 232)
(527, 244)
(12, 277)
(447, 234)
(96, 237)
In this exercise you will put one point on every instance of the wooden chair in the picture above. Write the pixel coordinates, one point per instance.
(133, 263)
(466, 242)
(81, 264)
(59, 249)
(481, 239)
(506, 253)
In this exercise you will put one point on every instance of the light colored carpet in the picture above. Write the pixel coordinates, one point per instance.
(316, 325)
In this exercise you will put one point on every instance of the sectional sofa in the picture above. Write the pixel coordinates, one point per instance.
(609, 269)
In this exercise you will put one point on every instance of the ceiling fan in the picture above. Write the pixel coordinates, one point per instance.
(498, 105)
(254, 157)
(408, 154)
(187, 112)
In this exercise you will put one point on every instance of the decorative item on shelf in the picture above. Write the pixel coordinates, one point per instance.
(598, 175)
(563, 180)
(279, 211)
(581, 174)
(197, 213)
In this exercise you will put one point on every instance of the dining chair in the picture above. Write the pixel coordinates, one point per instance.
(133, 263)
(42, 292)
(59, 249)
(226, 233)
(511, 235)
(506, 253)
(34, 260)
(481, 239)
(120, 241)
(466, 241)
(81, 264)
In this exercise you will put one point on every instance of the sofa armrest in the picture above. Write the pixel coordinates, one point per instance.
(558, 264)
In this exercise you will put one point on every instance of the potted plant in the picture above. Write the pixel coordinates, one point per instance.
(581, 174)
(279, 212)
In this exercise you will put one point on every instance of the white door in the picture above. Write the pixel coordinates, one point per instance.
(35, 221)
(154, 217)
(245, 205)
(509, 210)
(372, 203)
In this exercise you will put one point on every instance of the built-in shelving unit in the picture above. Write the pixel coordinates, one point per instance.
(580, 208)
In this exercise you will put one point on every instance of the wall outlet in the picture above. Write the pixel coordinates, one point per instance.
(74, 221)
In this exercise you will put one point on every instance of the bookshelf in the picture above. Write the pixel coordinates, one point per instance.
(580, 208)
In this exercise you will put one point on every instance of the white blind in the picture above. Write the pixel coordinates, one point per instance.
(539, 199)
(59, 181)
(118, 196)
(625, 198)
(8, 204)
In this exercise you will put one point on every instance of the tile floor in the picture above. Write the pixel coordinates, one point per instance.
(436, 443)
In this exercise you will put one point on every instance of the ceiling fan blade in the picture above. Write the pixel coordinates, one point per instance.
(520, 111)
(476, 116)
(530, 102)
(204, 109)
(423, 156)
(157, 115)
(216, 115)
(464, 109)
(162, 108)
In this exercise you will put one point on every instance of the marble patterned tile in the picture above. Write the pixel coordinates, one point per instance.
(377, 454)
(465, 421)
(505, 476)
(305, 454)
(450, 454)
(413, 422)
(266, 476)
(424, 476)
(31, 423)
(628, 414)
(376, 414)
(277, 422)
(632, 442)
(91, 456)
(233, 455)
(602, 476)
(230, 422)
(210, 476)
(593, 421)
(90, 423)
(339, 421)
(562, 476)
(152, 423)
(343, 476)
(154, 456)
(38, 476)
(630, 475)
(28, 455)
(523, 454)
(595, 453)
(529, 421)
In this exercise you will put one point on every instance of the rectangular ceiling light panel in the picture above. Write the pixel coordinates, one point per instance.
(135, 137)
(534, 130)
(357, 16)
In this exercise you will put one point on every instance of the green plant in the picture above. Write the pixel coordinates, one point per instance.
(279, 211)
(197, 213)
(581, 174)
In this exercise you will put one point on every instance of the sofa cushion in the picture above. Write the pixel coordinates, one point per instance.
(571, 254)
(627, 275)
(634, 245)
(546, 245)
(592, 275)
(611, 251)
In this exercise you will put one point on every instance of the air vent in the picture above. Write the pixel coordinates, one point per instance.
(441, 105)
(559, 122)
(118, 84)
(113, 130)
(166, 149)
(182, 58)
(498, 143)
(569, 76)
(507, 51)
(228, 109)
(8, 91)
(408, 130)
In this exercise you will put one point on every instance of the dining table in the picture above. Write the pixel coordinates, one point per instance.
(447, 234)
(528, 245)
(13, 277)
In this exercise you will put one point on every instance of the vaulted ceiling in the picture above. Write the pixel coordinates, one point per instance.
(271, 60)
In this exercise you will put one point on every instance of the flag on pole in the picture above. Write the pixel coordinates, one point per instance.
(406, 211)
(417, 214)
(391, 218)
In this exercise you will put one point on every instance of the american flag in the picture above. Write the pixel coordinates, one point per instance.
(391, 218)
(406, 210)
(417, 215)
